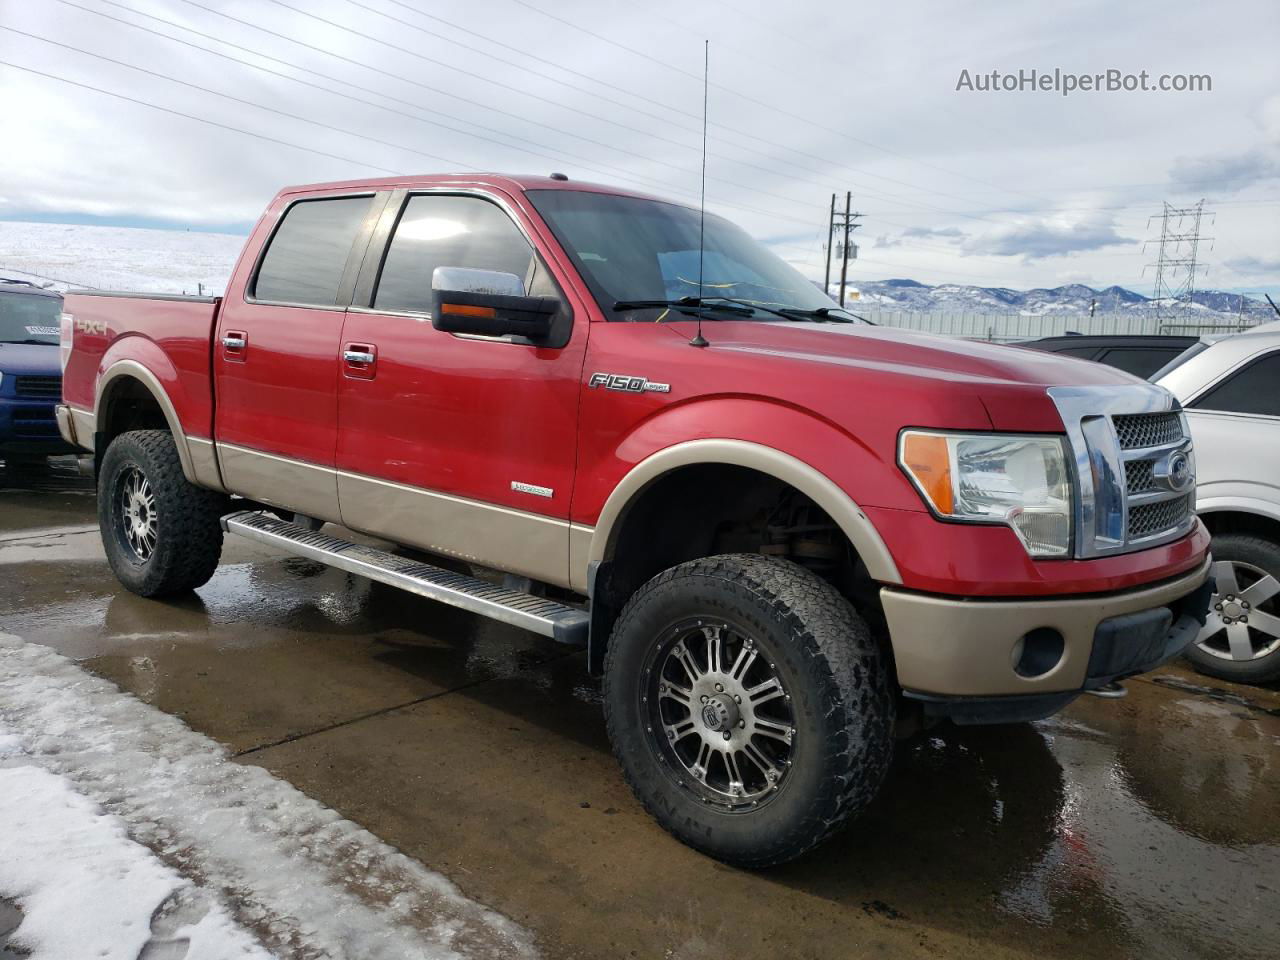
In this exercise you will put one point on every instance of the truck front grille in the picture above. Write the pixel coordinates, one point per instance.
(1152, 519)
(37, 386)
(1147, 429)
(1127, 444)
(1140, 475)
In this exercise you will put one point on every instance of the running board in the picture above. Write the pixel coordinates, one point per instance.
(562, 623)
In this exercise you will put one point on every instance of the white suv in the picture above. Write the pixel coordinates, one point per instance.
(1230, 388)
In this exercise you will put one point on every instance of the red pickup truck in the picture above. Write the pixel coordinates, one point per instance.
(784, 536)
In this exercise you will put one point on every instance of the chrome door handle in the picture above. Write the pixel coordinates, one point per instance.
(234, 343)
(357, 356)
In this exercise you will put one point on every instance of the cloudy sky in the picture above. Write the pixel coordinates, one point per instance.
(194, 112)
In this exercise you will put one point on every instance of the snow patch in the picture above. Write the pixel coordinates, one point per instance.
(87, 890)
(292, 870)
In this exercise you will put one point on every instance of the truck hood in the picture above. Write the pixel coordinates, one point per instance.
(40, 359)
(1009, 382)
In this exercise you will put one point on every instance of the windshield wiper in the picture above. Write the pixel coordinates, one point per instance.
(822, 314)
(47, 343)
(685, 305)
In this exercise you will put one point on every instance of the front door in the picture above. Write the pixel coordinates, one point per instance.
(276, 354)
(462, 445)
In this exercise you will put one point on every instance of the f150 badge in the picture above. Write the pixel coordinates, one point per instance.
(625, 384)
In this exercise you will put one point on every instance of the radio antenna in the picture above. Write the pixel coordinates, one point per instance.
(699, 340)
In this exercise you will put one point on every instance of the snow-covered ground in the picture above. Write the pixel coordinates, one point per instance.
(124, 831)
(117, 258)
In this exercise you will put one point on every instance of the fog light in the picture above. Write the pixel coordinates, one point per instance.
(1038, 652)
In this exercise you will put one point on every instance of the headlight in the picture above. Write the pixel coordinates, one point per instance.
(1021, 481)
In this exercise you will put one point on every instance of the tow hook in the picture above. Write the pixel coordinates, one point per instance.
(1112, 691)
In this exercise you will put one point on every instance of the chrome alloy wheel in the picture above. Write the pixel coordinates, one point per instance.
(718, 713)
(1244, 615)
(138, 522)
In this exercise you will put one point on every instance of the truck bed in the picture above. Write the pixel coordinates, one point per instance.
(167, 336)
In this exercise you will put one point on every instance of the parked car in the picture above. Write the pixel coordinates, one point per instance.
(1230, 388)
(30, 375)
(1141, 355)
(783, 536)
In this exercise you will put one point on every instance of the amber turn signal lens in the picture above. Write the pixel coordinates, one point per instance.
(928, 460)
(465, 310)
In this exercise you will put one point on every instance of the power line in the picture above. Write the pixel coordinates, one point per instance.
(189, 116)
(235, 99)
(553, 102)
(768, 106)
(1176, 263)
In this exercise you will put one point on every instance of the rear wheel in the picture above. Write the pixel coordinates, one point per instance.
(160, 532)
(749, 707)
(1241, 638)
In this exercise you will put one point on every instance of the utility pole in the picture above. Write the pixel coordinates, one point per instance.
(847, 223)
(1176, 264)
(831, 229)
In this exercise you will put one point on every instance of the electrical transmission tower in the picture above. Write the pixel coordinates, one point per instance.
(845, 249)
(1176, 264)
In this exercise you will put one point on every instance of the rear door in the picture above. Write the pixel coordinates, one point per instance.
(276, 352)
(464, 445)
(1235, 424)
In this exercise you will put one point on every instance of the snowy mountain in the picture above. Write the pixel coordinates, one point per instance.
(64, 256)
(1073, 299)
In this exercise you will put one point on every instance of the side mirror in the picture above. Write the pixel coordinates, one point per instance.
(488, 303)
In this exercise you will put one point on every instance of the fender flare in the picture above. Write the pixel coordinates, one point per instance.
(812, 483)
(135, 370)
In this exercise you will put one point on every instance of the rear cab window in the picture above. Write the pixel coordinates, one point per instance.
(306, 257)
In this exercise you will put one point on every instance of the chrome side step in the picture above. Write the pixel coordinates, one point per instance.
(562, 623)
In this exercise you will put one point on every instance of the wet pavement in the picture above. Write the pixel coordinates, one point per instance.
(1139, 828)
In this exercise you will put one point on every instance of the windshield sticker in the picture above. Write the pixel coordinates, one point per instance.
(43, 331)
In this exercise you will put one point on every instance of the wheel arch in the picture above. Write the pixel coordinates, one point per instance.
(129, 382)
(630, 510)
(755, 456)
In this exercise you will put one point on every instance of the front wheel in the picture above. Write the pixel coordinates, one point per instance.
(161, 532)
(749, 707)
(1241, 639)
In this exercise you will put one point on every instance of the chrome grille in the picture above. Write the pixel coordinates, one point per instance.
(1140, 475)
(1147, 429)
(1152, 519)
(1127, 444)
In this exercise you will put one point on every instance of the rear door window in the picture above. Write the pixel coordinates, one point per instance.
(442, 230)
(1254, 389)
(1140, 361)
(305, 260)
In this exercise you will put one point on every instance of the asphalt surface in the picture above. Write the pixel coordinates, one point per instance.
(1143, 827)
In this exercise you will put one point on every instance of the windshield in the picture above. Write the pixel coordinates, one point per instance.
(29, 319)
(628, 249)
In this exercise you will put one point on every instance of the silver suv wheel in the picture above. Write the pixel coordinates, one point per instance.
(1244, 615)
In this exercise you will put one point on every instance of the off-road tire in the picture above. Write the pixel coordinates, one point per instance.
(1264, 554)
(188, 542)
(842, 704)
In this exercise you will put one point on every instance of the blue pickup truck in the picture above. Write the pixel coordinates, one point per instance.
(30, 372)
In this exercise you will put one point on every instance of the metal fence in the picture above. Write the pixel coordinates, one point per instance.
(1002, 327)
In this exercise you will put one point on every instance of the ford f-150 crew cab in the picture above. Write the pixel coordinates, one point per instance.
(784, 536)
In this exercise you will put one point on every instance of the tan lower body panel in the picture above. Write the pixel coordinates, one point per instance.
(959, 647)
(204, 463)
(280, 481)
(510, 540)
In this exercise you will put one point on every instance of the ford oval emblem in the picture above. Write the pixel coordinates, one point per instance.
(1179, 471)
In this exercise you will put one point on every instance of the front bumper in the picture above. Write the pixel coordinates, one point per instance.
(951, 651)
(29, 426)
